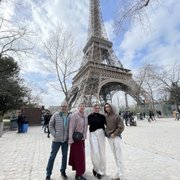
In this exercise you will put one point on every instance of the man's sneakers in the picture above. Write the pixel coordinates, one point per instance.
(99, 176)
(47, 178)
(63, 175)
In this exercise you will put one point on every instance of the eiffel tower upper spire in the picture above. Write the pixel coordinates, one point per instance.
(96, 26)
(98, 47)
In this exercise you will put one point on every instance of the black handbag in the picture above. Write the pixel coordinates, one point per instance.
(77, 136)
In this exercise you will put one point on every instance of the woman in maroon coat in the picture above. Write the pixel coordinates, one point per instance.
(78, 122)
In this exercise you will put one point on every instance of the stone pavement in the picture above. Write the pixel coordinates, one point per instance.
(151, 151)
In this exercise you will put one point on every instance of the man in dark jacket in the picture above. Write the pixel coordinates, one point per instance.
(20, 121)
(47, 117)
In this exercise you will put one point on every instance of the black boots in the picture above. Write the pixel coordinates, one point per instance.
(99, 176)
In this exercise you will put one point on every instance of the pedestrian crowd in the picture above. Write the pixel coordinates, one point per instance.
(128, 117)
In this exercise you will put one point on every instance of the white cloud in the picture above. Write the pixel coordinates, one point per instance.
(6, 9)
(161, 45)
(52, 97)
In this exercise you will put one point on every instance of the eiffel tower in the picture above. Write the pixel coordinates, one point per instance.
(101, 73)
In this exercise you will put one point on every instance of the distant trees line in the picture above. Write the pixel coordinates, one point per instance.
(161, 83)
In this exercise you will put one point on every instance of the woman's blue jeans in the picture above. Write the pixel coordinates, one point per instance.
(54, 149)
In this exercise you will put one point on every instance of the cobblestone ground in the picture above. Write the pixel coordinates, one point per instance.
(151, 151)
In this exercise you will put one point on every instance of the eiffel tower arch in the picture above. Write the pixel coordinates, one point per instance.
(101, 73)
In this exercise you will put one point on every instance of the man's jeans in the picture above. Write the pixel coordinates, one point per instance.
(54, 150)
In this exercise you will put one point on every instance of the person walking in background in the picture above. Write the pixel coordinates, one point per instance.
(126, 117)
(177, 115)
(47, 117)
(151, 116)
(174, 114)
(78, 123)
(114, 128)
(97, 122)
(58, 127)
(20, 120)
(144, 115)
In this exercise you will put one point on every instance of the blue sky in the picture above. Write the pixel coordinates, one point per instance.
(157, 41)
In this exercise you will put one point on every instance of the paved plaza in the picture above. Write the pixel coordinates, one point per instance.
(151, 151)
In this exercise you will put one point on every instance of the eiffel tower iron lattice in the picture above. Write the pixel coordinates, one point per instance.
(101, 73)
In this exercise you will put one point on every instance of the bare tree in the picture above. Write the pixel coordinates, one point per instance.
(14, 39)
(130, 11)
(163, 80)
(170, 80)
(62, 56)
(148, 82)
